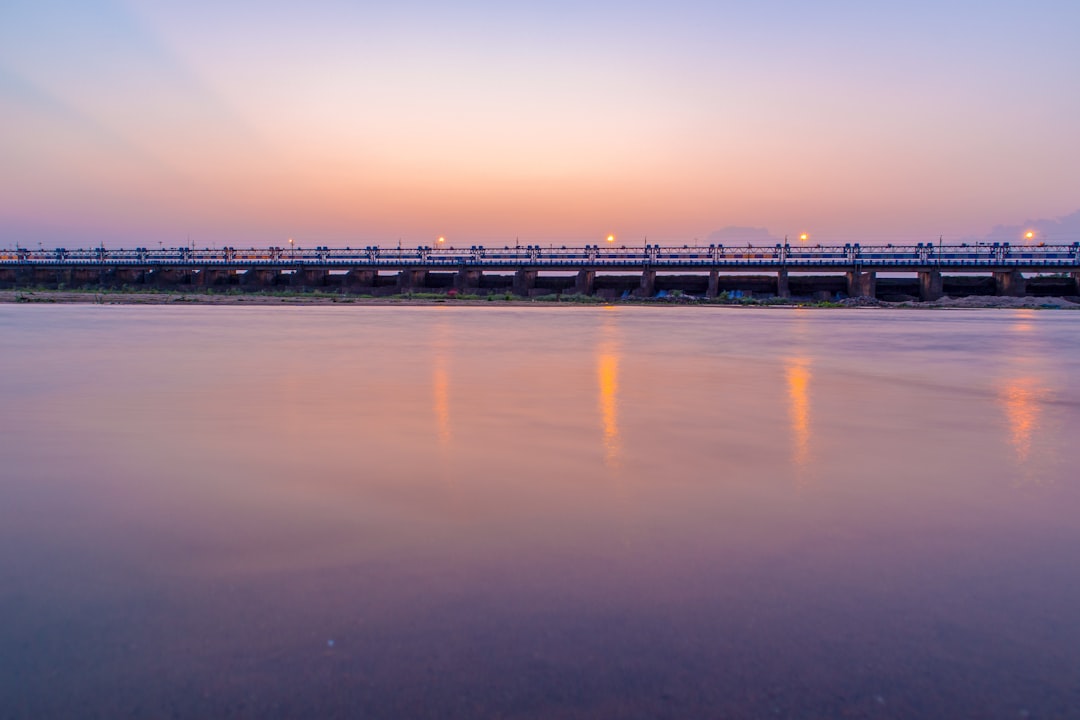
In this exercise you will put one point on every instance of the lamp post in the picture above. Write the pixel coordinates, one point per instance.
(292, 249)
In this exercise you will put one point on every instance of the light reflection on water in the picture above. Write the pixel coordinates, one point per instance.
(607, 372)
(536, 512)
(798, 381)
(440, 382)
(1026, 393)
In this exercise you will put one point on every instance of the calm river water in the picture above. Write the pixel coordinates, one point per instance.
(519, 512)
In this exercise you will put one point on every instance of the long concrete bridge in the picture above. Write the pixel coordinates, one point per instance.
(925, 270)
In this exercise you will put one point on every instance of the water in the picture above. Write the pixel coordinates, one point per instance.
(456, 512)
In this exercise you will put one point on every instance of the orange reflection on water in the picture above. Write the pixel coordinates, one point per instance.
(1022, 398)
(607, 369)
(440, 382)
(1024, 317)
(607, 375)
(798, 383)
(441, 397)
(1023, 393)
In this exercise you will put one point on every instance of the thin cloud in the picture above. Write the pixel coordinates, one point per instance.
(1064, 229)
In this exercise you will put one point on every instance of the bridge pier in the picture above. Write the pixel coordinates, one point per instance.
(524, 281)
(1010, 283)
(357, 279)
(107, 277)
(1076, 282)
(648, 284)
(208, 277)
(8, 277)
(861, 284)
(259, 278)
(714, 284)
(86, 277)
(931, 286)
(129, 276)
(24, 276)
(306, 277)
(783, 289)
(51, 276)
(467, 280)
(586, 282)
(169, 277)
(412, 279)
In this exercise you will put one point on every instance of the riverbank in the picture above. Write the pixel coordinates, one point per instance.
(107, 297)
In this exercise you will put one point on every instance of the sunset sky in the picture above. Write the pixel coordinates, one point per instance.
(342, 123)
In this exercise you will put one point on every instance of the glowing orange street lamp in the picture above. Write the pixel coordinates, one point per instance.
(292, 247)
(611, 238)
(441, 240)
(1029, 235)
(804, 237)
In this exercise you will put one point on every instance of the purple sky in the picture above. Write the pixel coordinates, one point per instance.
(352, 123)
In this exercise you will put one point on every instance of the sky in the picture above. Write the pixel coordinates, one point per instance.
(353, 123)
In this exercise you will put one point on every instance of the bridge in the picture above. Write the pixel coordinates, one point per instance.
(925, 270)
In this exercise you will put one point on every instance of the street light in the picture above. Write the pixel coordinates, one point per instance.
(611, 238)
(292, 248)
(804, 237)
(1029, 235)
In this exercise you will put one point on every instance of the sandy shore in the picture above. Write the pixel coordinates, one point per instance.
(176, 298)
